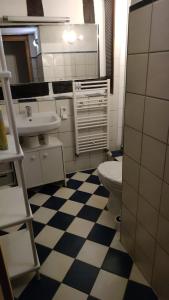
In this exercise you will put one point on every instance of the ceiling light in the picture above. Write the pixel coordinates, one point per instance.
(29, 19)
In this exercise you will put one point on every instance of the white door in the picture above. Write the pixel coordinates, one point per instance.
(32, 169)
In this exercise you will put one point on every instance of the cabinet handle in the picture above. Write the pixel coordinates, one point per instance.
(33, 157)
(45, 155)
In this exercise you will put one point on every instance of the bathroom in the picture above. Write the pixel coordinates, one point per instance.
(89, 121)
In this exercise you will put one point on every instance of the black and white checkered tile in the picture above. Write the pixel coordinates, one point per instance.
(79, 249)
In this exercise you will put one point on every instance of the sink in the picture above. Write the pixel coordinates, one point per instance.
(37, 124)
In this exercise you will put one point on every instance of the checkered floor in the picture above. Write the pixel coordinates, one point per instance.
(79, 249)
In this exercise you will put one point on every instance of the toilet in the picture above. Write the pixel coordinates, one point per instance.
(110, 175)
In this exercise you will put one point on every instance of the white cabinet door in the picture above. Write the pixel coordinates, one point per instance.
(32, 169)
(52, 164)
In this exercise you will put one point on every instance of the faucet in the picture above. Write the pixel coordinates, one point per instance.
(28, 110)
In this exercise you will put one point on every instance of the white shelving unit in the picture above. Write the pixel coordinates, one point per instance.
(18, 247)
(91, 115)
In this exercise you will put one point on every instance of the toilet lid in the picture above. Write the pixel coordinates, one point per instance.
(111, 170)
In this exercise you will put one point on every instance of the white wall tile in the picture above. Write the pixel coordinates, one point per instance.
(66, 125)
(163, 233)
(136, 73)
(3, 108)
(49, 74)
(131, 172)
(156, 118)
(113, 118)
(80, 70)
(132, 143)
(70, 167)
(69, 154)
(67, 138)
(113, 102)
(145, 241)
(113, 145)
(96, 158)
(166, 174)
(113, 131)
(47, 60)
(119, 137)
(58, 59)
(59, 72)
(161, 272)
(147, 216)
(129, 222)
(47, 106)
(83, 163)
(153, 155)
(120, 117)
(16, 108)
(139, 30)
(160, 27)
(164, 209)
(80, 59)
(69, 59)
(130, 198)
(158, 74)
(134, 110)
(150, 187)
(34, 105)
(70, 71)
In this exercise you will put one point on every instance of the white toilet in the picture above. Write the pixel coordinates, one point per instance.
(110, 175)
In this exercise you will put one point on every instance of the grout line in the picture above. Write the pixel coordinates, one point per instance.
(146, 96)
(149, 52)
(148, 135)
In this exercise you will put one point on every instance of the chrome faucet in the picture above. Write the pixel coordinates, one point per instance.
(28, 110)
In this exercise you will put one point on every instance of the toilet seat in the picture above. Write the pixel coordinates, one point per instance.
(112, 171)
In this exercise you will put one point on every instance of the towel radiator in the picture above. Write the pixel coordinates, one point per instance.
(91, 115)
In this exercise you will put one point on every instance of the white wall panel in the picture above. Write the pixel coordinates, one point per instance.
(13, 8)
(66, 8)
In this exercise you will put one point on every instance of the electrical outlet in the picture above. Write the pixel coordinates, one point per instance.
(63, 113)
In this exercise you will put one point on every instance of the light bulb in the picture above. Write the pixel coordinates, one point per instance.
(81, 37)
(69, 36)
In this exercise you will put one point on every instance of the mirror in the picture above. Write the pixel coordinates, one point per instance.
(51, 52)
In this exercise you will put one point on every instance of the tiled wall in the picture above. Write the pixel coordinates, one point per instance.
(63, 60)
(67, 66)
(145, 209)
(66, 131)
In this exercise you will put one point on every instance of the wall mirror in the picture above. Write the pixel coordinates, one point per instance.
(51, 52)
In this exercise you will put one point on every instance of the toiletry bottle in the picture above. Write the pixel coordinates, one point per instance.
(3, 137)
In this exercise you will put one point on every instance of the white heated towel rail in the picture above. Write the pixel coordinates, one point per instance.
(91, 115)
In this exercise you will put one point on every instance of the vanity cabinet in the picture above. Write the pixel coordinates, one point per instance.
(32, 169)
(52, 164)
(44, 165)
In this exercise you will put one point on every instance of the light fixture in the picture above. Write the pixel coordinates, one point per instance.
(27, 19)
(81, 37)
(69, 36)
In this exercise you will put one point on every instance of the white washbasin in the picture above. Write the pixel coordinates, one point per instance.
(38, 123)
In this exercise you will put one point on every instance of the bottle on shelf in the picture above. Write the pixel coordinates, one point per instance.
(3, 137)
